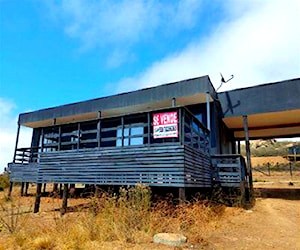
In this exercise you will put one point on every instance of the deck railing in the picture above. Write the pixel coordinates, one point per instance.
(26, 155)
(229, 170)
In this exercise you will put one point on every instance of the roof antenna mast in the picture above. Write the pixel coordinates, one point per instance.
(223, 81)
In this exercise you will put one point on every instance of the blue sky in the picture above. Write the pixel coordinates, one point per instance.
(57, 52)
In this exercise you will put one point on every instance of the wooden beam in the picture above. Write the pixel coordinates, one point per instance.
(208, 110)
(99, 129)
(248, 153)
(173, 102)
(17, 140)
(11, 184)
(26, 188)
(38, 198)
(65, 199)
(22, 188)
(181, 194)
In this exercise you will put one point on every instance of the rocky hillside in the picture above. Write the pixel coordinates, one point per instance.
(269, 147)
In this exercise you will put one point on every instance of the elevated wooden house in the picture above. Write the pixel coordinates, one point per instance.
(182, 135)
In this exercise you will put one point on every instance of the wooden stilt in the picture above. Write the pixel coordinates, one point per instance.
(97, 191)
(239, 147)
(60, 190)
(72, 190)
(22, 188)
(44, 188)
(65, 199)
(10, 189)
(248, 153)
(55, 187)
(181, 196)
(26, 188)
(38, 198)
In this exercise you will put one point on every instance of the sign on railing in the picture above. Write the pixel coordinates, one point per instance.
(165, 125)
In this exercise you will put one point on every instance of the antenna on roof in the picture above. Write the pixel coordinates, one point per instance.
(223, 80)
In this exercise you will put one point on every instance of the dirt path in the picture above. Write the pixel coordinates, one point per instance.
(271, 224)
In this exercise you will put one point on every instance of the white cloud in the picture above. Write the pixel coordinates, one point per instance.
(119, 25)
(259, 42)
(8, 132)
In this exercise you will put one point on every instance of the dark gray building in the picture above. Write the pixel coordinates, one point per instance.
(182, 134)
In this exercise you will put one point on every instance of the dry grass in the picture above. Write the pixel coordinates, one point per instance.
(126, 220)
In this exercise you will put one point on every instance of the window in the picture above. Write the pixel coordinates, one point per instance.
(133, 134)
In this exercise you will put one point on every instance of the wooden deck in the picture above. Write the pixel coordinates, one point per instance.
(154, 165)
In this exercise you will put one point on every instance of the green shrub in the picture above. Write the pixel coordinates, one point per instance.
(4, 181)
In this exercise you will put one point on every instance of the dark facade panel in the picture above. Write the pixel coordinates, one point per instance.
(148, 95)
(157, 165)
(273, 97)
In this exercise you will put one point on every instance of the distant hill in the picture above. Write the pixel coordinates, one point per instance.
(268, 148)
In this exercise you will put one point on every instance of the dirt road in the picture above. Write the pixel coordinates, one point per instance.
(271, 224)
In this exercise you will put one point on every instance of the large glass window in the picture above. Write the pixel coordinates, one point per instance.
(133, 134)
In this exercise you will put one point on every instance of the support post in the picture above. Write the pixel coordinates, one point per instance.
(248, 153)
(26, 188)
(22, 188)
(11, 184)
(208, 110)
(97, 191)
(44, 188)
(291, 171)
(65, 199)
(55, 187)
(181, 194)
(149, 127)
(17, 140)
(173, 102)
(239, 147)
(99, 129)
(38, 198)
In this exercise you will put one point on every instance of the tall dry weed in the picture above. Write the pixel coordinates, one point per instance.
(127, 218)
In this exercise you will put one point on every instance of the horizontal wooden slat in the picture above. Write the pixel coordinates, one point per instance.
(155, 165)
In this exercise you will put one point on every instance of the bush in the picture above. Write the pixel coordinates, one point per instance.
(4, 181)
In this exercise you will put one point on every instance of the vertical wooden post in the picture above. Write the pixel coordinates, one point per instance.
(59, 138)
(22, 188)
(173, 102)
(44, 187)
(99, 129)
(65, 199)
(97, 191)
(248, 153)
(60, 190)
(38, 197)
(78, 135)
(11, 184)
(239, 147)
(17, 140)
(291, 171)
(149, 127)
(43, 137)
(26, 188)
(208, 110)
(55, 187)
(122, 132)
(180, 126)
(181, 194)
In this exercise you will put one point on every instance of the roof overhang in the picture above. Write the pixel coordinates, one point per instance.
(267, 125)
(186, 92)
(272, 110)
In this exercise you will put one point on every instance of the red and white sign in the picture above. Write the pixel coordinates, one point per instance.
(165, 125)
